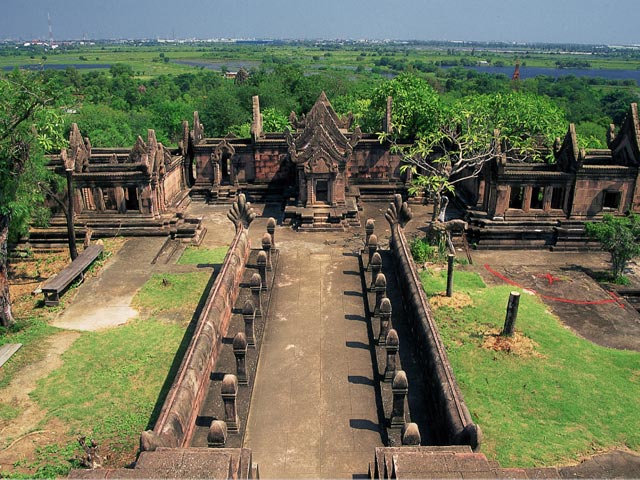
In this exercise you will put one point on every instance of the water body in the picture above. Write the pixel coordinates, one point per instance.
(59, 66)
(231, 66)
(532, 72)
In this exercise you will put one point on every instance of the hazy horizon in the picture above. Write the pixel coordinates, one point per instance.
(515, 21)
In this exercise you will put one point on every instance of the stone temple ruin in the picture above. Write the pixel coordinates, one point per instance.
(325, 167)
(320, 174)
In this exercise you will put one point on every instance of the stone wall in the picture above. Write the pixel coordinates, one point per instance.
(176, 422)
(446, 398)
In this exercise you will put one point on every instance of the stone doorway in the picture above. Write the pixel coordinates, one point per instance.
(131, 199)
(322, 192)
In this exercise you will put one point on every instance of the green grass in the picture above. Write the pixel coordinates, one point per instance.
(32, 334)
(171, 294)
(110, 380)
(199, 256)
(574, 399)
(113, 382)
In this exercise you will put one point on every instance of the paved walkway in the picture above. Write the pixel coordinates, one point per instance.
(105, 300)
(315, 374)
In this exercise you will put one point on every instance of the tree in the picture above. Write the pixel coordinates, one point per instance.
(620, 236)
(27, 128)
(471, 132)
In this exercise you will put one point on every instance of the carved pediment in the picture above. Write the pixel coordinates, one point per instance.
(569, 158)
(77, 157)
(321, 164)
(625, 146)
(224, 148)
(322, 134)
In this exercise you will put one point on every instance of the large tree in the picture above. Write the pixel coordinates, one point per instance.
(461, 136)
(28, 127)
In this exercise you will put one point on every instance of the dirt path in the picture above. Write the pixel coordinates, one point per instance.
(18, 437)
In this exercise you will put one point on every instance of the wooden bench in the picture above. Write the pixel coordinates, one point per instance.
(53, 287)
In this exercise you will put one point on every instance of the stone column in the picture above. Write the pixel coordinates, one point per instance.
(256, 285)
(240, 352)
(271, 230)
(217, 436)
(266, 246)
(400, 388)
(229, 392)
(411, 435)
(376, 268)
(372, 246)
(392, 344)
(249, 316)
(380, 287)
(385, 320)
(262, 268)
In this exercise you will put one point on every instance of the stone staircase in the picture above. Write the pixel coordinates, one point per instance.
(219, 463)
(456, 461)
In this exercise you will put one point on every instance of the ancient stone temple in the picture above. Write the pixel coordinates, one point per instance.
(320, 151)
(522, 203)
(137, 191)
(320, 170)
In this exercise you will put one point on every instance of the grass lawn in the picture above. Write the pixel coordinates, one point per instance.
(113, 382)
(567, 399)
(207, 256)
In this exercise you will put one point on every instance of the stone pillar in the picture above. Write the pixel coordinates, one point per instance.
(450, 259)
(369, 226)
(229, 392)
(512, 315)
(372, 246)
(392, 344)
(411, 435)
(217, 436)
(376, 268)
(400, 388)
(249, 316)
(380, 287)
(121, 205)
(385, 320)
(256, 285)
(266, 246)
(262, 268)
(240, 352)
(271, 230)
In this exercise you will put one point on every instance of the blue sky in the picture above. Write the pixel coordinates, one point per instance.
(565, 21)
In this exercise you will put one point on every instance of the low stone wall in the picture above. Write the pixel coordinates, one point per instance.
(176, 422)
(446, 398)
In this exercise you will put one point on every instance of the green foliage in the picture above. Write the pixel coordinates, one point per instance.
(28, 125)
(416, 106)
(620, 236)
(422, 251)
(565, 401)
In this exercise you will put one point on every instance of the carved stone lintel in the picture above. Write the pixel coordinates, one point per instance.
(241, 213)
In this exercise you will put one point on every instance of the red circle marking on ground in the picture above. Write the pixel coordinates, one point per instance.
(556, 299)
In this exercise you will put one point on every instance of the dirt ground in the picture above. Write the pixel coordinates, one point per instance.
(562, 282)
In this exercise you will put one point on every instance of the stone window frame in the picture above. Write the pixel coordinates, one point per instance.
(608, 194)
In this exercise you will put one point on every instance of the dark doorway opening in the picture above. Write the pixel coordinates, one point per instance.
(322, 191)
(131, 199)
(225, 169)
